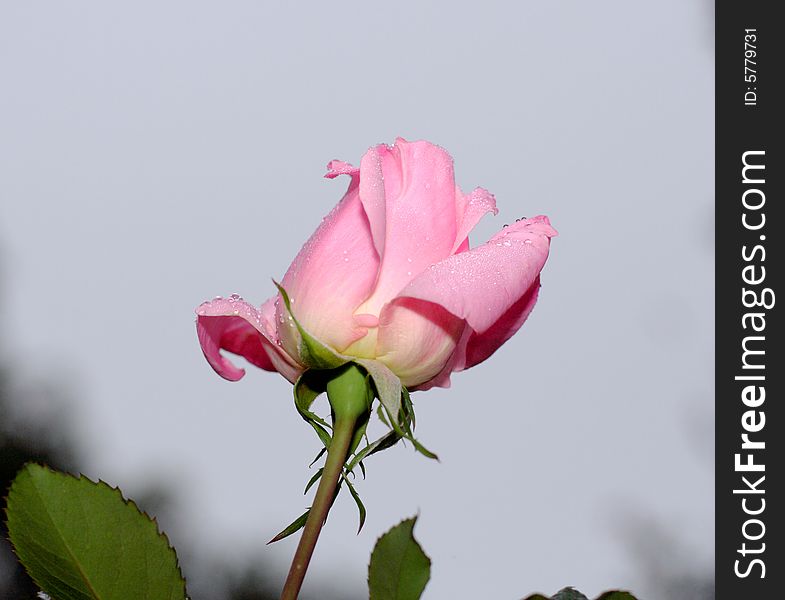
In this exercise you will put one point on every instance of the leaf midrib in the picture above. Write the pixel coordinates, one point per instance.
(81, 572)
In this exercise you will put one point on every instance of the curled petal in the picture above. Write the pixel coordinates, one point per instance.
(482, 284)
(233, 325)
(481, 345)
(470, 208)
(339, 167)
(473, 348)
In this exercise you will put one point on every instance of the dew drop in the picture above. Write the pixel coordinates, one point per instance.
(527, 241)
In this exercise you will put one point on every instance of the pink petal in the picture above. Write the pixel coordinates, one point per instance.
(454, 363)
(481, 345)
(339, 167)
(233, 325)
(408, 192)
(335, 271)
(473, 348)
(416, 339)
(482, 284)
(470, 209)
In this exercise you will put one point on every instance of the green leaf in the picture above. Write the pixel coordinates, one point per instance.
(294, 527)
(569, 593)
(81, 540)
(313, 353)
(399, 569)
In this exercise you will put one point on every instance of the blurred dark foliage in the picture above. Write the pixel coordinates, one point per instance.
(22, 441)
(45, 436)
(665, 561)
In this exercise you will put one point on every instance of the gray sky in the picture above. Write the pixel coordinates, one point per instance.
(157, 154)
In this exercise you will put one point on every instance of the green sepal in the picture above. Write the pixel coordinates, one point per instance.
(359, 433)
(294, 527)
(313, 480)
(382, 416)
(306, 389)
(356, 496)
(384, 442)
(403, 425)
(379, 382)
(318, 456)
(313, 353)
(616, 595)
(388, 386)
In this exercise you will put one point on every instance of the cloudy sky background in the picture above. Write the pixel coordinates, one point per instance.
(154, 155)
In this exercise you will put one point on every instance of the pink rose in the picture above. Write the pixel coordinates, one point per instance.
(388, 280)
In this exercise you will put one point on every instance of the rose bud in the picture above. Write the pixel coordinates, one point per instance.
(389, 277)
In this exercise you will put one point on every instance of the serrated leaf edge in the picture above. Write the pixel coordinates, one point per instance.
(99, 483)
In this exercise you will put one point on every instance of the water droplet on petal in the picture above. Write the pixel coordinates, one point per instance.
(527, 241)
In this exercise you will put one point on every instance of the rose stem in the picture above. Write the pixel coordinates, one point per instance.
(343, 432)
